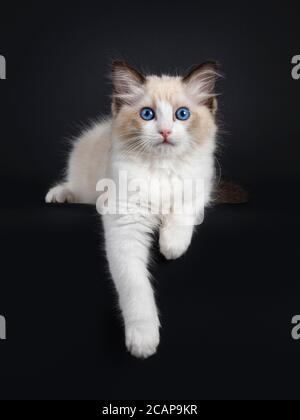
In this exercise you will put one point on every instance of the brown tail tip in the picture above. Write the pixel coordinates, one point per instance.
(228, 192)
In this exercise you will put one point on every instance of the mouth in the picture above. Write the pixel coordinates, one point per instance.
(166, 142)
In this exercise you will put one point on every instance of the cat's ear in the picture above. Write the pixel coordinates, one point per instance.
(127, 84)
(201, 83)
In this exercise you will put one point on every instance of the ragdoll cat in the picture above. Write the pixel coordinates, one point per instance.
(161, 126)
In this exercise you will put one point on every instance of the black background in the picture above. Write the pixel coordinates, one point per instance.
(227, 305)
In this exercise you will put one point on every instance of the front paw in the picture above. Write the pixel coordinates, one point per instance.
(174, 243)
(142, 338)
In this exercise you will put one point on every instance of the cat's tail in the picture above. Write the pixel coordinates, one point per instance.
(228, 192)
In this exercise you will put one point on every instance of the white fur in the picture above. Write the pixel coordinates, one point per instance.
(100, 153)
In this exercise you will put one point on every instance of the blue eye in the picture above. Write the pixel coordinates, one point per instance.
(183, 114)
(147, 114)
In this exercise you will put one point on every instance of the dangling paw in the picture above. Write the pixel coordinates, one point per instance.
(142, 338)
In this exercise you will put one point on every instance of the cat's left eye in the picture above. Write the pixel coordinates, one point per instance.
(183, 114)
(147, 114)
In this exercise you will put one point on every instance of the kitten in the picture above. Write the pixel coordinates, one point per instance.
(160, 127)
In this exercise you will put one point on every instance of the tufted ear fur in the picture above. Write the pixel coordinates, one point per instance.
(127, 84)
(200, 83)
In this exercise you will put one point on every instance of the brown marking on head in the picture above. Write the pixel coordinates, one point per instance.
(201, 125)
(128, 124)
(166, 88)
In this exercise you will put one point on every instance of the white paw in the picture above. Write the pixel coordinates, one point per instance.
(60, 194)
(142, 338)
(174, 243)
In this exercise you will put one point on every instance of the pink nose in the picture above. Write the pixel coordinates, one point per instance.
(165, 133)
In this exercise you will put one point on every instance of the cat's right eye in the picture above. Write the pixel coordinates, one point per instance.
(147, 114)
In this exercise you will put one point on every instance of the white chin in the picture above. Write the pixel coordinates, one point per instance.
(165, 149)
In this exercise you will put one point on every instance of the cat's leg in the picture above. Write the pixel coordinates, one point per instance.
(85, 167)
(61, 193)
(128, 245)
(175, 235)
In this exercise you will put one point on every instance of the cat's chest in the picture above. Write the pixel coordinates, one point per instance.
(156, 188)
(156, 183)
(159, 172)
